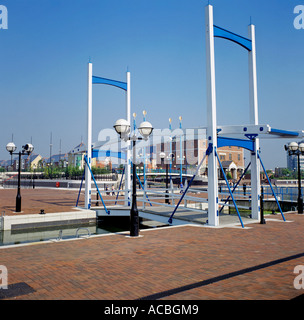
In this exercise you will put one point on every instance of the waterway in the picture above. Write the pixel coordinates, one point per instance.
(104, 225)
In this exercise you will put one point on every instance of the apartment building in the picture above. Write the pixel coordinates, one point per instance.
(189, 153)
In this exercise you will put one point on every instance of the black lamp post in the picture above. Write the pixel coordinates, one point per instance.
(134, 217)
(122, 127)
(171, 157)
(162, 157)
(297, 149)
(27, 149)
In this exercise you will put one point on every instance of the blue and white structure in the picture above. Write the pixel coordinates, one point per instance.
(181, 152)
(213, 217)
(126, 86)
(213, 31)
(88, 179)
(245, 136)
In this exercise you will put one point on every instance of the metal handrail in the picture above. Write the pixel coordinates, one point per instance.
(59, 235)
(89, 233)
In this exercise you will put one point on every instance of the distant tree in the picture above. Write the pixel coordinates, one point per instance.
(96, 170)
(286, 172)
(270, 174)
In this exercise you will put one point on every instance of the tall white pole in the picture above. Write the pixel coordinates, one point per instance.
(213, 218)
(128, 165)
(88, 178)
(253, 118)
(144, 155)
(181, 153)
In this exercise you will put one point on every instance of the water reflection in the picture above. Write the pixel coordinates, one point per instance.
(104, 225)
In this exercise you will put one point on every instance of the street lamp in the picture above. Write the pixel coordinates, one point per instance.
(170, 157)
(294, 148)
(27, 149)
(10, 147)
(122, 127)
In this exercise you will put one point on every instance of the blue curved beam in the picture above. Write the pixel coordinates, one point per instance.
(225, 142)
(222, 33)
(119, 84)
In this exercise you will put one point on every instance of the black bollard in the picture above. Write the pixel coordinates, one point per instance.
(262, 206)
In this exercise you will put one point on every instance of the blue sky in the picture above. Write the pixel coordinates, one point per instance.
(48, 43)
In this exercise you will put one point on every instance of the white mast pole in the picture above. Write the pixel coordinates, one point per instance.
(213, 218)
(128, 165)
(89, 141)
(253, 96)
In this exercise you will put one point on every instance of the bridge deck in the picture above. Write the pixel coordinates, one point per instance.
(182, 216)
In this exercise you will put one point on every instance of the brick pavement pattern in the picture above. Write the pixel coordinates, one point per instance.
(117, 267)
(51, 200)
(57, 200)
(33, 200)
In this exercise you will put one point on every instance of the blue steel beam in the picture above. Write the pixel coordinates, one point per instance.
(118, 84)
(86, 160)
(236, 208)
(271, 187)
(225, 34)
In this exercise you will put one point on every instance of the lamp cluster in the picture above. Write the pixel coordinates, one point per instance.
(11, 147)
(294, 148)
(122, 127)
(26, 149)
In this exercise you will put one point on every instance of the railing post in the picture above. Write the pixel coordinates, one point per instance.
(262, 206)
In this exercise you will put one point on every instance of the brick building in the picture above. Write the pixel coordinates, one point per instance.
(193, 151)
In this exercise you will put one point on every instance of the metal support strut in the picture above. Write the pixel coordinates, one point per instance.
(235, 186)
(271, 187)
(123, 172)
(83, 175)
(86, 160)
(143, 189)
(182, 197)
(236, 208)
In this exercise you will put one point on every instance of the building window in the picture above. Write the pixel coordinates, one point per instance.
(230, 156)
(239, 157)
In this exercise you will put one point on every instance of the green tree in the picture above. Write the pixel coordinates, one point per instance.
(96, 170)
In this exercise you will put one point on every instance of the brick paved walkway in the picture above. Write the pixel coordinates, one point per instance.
(51, 200)
(241, 263)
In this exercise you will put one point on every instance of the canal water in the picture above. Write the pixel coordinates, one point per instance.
(104, 225)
